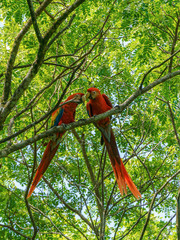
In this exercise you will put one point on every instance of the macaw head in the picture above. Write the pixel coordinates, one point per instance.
(92, 93)
(76, 98)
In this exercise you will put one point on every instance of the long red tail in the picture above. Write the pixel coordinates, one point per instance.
(46, 159)
(122, 176)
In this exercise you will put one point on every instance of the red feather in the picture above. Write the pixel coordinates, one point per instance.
(122, 176)
(46, 159)
(107, 100)
(98, 105)
(66, 116)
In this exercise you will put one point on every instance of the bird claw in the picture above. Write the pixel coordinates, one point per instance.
(82, 119)
(45, 144)
(64, 125)
(53, 137)
(117, 106)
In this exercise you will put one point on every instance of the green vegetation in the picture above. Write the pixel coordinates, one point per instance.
(123, 44)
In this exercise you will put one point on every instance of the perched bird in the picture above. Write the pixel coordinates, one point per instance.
(62, 115)
(100, 103)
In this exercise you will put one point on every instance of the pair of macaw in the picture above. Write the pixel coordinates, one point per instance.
(98, 103)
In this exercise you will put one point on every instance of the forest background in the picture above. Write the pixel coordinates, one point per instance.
(130, 51)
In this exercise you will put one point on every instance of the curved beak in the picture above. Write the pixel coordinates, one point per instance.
(78, 99)
(86, 96)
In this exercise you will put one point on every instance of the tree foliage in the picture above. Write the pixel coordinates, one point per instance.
(130, 51)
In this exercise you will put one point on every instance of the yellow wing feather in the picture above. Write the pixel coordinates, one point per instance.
(54, 116)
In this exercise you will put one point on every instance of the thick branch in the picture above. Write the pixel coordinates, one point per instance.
(174, 43)
(33, 17)
(15, 48)
(116, 110)
(70, 9)
(37, 63)
(178, 215)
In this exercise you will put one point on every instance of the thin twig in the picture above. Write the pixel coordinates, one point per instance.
(152, 203)
(60, 32)
(165, 227)
(53, 109)
(115, 110)
(172, 119)
(157, 66)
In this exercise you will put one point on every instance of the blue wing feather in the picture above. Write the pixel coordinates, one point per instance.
(56, 117)
(59, 116)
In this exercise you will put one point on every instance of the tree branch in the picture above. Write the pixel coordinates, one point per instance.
(69, 10)
(178, 215)
(115, 110)
(157, 66)
(82, 144)
(34, 21)
(172, 119)
(60, 32)
(43, 214)
(165, 227)
(66, 204)
(152, 203)
(26, 193)
(14, 230)
(174, 43)
(36, 65)
(14, 51)
(49, 14)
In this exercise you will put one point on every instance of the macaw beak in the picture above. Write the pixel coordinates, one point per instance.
(86, 96)
(80, 100)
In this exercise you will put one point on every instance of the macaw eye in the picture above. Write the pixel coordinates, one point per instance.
(93, 91)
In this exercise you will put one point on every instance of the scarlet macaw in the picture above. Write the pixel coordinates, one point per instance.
(100, 103)
(62, 115)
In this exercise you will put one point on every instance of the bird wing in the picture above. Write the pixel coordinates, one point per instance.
(107, 100)
(89, 109)
(56, 116)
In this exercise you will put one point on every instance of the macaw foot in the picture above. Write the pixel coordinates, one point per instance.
(53, 137)
(64, 125)
(118, 107)
(45, 144)
(82, 119)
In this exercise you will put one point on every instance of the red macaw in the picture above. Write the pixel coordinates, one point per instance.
(100, 103)
(64, 114)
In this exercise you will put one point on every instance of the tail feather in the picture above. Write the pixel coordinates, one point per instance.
(122, 176)
(46, 159)
(130, 183)
(119, 177)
